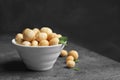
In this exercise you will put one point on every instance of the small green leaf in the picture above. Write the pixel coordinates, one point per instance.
(77, 60)
(63, 40)
(76, 69)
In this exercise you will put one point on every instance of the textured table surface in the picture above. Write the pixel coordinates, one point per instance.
(92, 65)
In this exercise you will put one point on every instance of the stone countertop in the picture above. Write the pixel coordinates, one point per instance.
(92, 65)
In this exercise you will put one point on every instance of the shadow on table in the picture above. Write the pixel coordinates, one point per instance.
(17, 66)
(14, 66)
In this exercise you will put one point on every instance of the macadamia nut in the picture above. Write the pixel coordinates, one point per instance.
(46, 30)
(59, 35)
(54, 41)
(70, 64)
(70, 58)
(26, 43)
(41, 36)
(28, 35)
(64, 53)
(25, 30)
(19, 38)
(34, 43)
(36, 30)
(44, 43)
(74, 53)
(51, 35)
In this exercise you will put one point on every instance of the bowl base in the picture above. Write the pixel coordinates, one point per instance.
(40, 69)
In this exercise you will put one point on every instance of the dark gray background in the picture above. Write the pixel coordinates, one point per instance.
(93, 24)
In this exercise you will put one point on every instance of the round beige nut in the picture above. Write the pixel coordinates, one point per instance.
(26, 43)
(70, 58)
(36, 30)
(54, 41)
(28, 35)
(70, 64)
(44, 43)
(51, 35)
(34, 43)
(64, 53)
(25, 30)
(74, 53)
(19, 38)
(46, 30)
(59, 35)
(41, 36)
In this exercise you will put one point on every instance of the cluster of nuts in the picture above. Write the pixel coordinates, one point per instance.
(38, 37)
(71, 57)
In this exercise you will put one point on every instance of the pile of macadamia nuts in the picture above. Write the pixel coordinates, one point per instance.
(38, 37)
(71, 57)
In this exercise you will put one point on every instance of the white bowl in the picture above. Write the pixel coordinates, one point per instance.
(39, 58)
